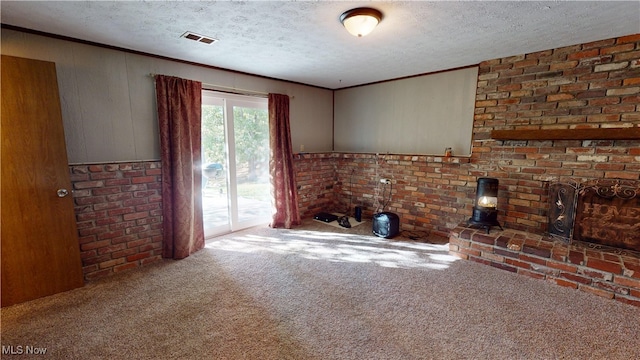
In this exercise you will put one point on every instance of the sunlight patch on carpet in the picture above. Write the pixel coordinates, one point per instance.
(341, 248)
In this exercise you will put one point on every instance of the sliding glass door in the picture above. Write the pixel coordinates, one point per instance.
(236, 191)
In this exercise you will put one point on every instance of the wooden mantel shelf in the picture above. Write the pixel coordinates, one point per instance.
(568, 134)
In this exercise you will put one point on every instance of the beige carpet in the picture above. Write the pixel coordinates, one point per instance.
(307, 294)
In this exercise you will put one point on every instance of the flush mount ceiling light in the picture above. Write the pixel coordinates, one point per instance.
(360, 21)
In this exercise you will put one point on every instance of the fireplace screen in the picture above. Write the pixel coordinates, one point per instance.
(609, 215)
(605, 212)
(562, 209)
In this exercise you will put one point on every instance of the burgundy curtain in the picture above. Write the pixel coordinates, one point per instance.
(281, 164)
(179, 117)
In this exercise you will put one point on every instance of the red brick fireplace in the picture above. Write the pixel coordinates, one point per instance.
(562, 115)
(593, 241)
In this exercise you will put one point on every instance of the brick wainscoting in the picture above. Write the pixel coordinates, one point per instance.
(429, 193)
(119, 215)
(315, 179)
(607, 272)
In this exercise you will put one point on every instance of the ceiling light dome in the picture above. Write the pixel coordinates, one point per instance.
(360, 21)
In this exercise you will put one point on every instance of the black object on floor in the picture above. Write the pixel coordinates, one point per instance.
(326, 217)
(358, 214)
(344, 222)
(386, 224)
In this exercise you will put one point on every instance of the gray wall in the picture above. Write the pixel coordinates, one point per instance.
(109, 111)
(108, 98)
(418, 115)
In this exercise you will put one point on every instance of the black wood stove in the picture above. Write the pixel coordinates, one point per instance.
(485, 209)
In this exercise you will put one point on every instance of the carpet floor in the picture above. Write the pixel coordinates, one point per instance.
(321, 292)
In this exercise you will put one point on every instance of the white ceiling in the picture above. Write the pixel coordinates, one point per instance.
(304, 41)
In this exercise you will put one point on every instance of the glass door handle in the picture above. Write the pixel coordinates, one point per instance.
(62, 192)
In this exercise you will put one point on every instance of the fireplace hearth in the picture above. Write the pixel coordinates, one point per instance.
(604, 212)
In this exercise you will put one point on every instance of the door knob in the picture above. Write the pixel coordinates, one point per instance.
(62, 192)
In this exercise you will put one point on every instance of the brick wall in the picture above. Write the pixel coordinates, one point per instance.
(316, 178)
(119, 215)
(593, 85)
(430, 193)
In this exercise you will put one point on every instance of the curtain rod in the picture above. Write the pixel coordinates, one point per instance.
(227, 89)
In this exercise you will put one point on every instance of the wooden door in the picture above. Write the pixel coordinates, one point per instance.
(39, 240)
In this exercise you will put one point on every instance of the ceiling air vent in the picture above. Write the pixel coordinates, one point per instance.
(199, 38)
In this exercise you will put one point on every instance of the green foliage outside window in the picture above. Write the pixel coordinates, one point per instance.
(251, 129)
(213, 143)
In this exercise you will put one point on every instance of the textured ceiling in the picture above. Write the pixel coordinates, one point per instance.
(304, 41)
